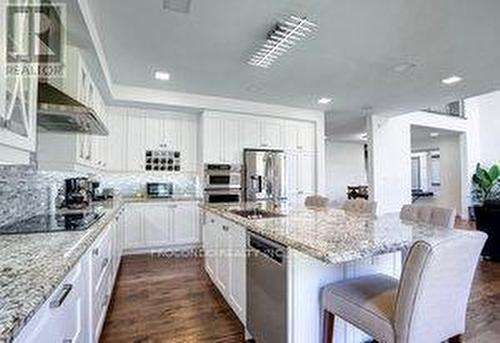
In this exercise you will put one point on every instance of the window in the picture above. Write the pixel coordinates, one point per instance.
(435, 170)
(415, 173)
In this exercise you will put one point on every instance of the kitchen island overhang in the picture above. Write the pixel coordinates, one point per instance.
(325, 246)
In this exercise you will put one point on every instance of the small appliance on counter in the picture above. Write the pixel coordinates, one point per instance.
(98, 193)
(222, 183)
(160, 189)
(78, 193)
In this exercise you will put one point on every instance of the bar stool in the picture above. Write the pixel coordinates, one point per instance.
(428, 304)
(316, 201)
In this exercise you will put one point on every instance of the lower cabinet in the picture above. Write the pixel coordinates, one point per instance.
(157, 225)
(76, 310)
(224, 246)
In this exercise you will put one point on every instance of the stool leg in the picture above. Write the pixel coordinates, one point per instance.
(328, 320)
(456, 339)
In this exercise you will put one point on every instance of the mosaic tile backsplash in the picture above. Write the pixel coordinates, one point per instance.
(25, 191)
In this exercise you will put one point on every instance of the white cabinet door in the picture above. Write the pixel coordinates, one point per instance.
(237, 265)
(154, 134)
(210, 245)
(117, 125)
(291, 133)
(212, 139)
(63, 317)
(134, 235)
(185, 224)
(135, 143)
(222, 269)
(307, 137)
(292, 168)
(231, 151)
(189, 142)
(172, 134)
(307, 173)
(250, 136)
(157, 225)
(270, 134)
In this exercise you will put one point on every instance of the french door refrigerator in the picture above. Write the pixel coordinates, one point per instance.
(265, 175)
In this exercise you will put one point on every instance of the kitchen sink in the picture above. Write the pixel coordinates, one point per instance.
(257, 213)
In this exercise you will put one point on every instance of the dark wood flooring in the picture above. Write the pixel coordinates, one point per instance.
(172, 300)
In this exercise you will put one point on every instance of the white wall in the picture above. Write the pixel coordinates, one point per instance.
(487, 107)
(390, 164)
(449, 193)
(345, 166)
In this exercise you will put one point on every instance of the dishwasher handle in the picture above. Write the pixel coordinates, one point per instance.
(271, 251)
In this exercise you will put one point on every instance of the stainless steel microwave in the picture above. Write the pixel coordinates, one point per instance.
(160, 189)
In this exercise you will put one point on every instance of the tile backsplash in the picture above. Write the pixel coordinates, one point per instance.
(25, 191)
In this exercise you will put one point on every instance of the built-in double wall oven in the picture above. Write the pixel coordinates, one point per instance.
(222, 183)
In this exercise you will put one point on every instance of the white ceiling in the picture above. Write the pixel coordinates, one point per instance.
(421, 135)
(351, 58)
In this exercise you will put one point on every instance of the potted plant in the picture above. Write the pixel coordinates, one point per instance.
(486, 198)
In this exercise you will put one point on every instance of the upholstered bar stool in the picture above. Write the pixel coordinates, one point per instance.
(360, 206)
(428, 304)
(439, 216)
(317, 201)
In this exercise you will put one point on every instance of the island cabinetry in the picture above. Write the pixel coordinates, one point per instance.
(224, 246)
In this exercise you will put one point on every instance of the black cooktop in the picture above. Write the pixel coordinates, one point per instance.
(55, 222)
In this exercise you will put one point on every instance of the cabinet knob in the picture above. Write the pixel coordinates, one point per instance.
(95, 252)
(225, 228)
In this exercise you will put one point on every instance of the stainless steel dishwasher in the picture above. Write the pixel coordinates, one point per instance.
(266, 290)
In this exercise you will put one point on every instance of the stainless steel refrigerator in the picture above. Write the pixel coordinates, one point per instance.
(265, 175)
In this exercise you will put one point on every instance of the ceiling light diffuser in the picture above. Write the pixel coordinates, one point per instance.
(324, 101)
(451, 80)
(161, 75)
(281, 39)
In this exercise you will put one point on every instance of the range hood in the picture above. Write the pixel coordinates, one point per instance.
(59, 112)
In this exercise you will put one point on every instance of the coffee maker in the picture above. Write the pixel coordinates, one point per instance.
(77, 193)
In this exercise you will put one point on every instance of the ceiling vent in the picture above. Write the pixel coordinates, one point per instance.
(181, 6)
(280, 39)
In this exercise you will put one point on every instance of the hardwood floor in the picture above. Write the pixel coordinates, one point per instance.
(159, 299)
(172, 300)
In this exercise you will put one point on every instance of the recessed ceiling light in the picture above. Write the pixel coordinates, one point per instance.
(324, 101)
(434, 134)
(403, 67)
(161, 75)
(451, 80)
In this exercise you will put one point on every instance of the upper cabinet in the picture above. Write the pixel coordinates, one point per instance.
(226, 135)
(18, 97)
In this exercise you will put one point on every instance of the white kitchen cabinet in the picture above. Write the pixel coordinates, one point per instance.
(212, 139)
(134, 232)
(231, 147)
(172, 134)
(161, 226)
(299, 136)
(18, 101)
(116, 142)
(157, 225)
(63, 317)
(301, 175)
(135, 152)
(185, 224)
(224, 246)
(271, 134)
(154, 132)
(189, 142)
(249, 133)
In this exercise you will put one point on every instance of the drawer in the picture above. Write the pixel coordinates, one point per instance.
(100, 304)
(101, 259)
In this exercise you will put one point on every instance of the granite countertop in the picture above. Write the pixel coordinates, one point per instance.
(333, 235)
(175, 198)
(33, 265)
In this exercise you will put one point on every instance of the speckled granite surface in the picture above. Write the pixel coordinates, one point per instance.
(333, 235)
(32, 266)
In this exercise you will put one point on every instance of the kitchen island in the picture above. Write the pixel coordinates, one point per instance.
(323, 246)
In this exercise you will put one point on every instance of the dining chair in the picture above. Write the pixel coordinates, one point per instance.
(428, 303)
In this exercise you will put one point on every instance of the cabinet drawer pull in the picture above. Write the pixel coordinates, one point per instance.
(104, 263)
(225, 228)
(95, 252)
(65, 290)
(105, 301)
(67, 340)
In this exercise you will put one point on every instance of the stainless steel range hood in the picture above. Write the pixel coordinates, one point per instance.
(59, 112)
